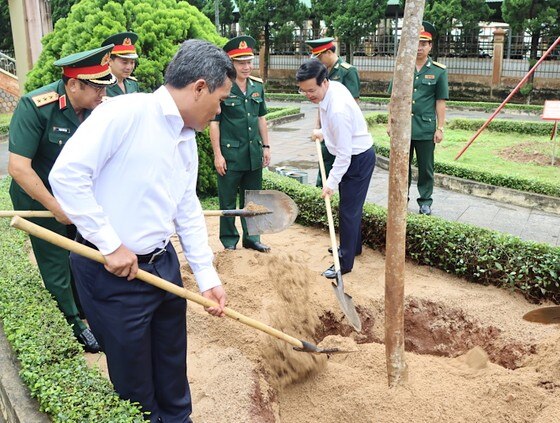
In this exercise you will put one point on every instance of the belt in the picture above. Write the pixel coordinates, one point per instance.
(150, 258)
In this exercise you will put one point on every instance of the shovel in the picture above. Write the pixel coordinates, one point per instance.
(344, 300)
(284, 209)
(546, 315)
(245, 212)
(92, 254)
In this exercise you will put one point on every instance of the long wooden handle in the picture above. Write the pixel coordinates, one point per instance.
(46, 213)
(328, 207)
(83, 250)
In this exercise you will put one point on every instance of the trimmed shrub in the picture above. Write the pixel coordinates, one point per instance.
(160, 24)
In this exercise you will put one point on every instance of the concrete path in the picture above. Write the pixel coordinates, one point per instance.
(291, 147)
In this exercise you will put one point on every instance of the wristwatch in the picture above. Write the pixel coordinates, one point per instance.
(440, 128)
(266, 146)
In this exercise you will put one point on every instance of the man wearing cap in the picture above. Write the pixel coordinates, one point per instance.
(42, 123)
(430, 91)
(240, 142)
(122, 63)
(340, 71)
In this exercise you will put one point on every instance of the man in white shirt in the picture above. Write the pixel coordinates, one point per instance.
(127, 180)
(346, 136)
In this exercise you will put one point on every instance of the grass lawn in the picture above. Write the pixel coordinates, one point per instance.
(516, 155)
(5, 118)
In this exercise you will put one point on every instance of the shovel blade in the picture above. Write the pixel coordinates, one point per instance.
(284, 211)
(546, 315)
(346, 303)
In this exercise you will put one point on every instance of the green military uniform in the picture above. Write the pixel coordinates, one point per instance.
(430, 85)
(124, 47)
(41, 124)
(341, 72)
(241, 146)
(130, 86)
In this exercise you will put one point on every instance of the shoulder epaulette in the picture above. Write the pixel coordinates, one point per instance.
(346, 65)
(439, 65)
(256, 78)
(133, 78)
(43, 99)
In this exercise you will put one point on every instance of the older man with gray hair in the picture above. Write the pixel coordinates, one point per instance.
(128, 182)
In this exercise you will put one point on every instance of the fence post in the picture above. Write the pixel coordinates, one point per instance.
(498, 63)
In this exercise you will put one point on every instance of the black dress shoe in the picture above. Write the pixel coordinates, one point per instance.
(89, 342)
(259, 246)
(330, 273)
(425, 209)
(230, 247)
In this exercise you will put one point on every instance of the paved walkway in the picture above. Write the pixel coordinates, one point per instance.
(291, 147)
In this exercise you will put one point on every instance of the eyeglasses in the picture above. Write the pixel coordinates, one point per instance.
(307, 92)
(98, 90)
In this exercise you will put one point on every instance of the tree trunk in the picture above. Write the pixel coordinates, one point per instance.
(264, 75)
(400, 128)
(349, 52)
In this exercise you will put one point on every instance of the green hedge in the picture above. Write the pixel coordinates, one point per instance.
(478, 255)
(52, 364)
(207, 184)
(459, 171)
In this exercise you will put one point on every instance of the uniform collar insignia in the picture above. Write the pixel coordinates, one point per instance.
(255, 95)
(62, 102)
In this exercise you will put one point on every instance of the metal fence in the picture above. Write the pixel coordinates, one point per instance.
(7, 63)
(462, 51)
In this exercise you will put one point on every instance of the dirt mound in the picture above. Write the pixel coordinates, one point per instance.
(537, 153)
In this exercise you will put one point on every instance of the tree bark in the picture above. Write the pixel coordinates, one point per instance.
(400, 129)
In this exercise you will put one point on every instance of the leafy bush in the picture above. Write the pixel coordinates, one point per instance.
(459, 171)
(479, 255)
(52, 364)
(161, 25)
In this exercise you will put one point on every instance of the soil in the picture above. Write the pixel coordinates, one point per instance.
(470, 357)
(530, 152)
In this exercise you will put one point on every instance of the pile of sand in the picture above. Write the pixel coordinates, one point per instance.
(474, 359)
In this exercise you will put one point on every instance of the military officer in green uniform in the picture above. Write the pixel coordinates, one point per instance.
(430, 92)
(122, 63)
(240, 142)
(340, 71)
(41, 124)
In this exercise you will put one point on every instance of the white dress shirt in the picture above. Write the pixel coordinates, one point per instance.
(344, 129)
(128, 176)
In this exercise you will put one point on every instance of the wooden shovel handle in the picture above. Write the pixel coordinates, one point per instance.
(328, 207)
(92, 254)
(46, 213)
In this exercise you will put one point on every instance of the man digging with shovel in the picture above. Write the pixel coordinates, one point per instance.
(128, 182)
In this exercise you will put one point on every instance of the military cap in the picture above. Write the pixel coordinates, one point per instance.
(240, 48)
(90, 65)
(427, 31)
(320, 45)
(124, 44)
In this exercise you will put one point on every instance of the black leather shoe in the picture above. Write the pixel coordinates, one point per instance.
(330, 273)
(259, 246)
(330, 251)
(89, 342)
(230, 247)
(425, 209)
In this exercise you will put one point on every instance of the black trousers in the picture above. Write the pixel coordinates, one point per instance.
(142, 330)
(353, 190)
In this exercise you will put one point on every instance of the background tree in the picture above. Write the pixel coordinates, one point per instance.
(539, 18)
(262, 16)
(161, 25)
(227, 18)
(6, 40)
(350, 20)
(447, 14)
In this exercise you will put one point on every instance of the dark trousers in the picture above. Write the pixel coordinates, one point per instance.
(142, 330)
(425, 157)
(353, 190)
(52, 260)
(230, 186)
(328, 161)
